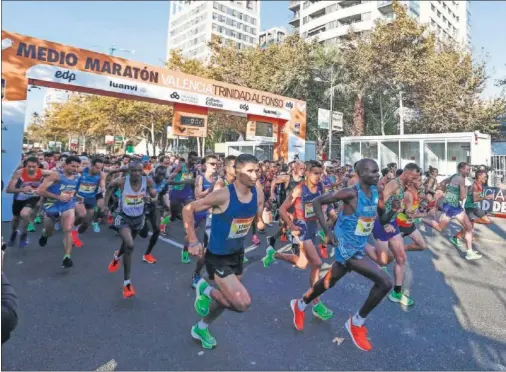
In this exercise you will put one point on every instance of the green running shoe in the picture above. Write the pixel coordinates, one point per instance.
(400, 298)
(166, 220)
(202, 302)
(269, 257)
(185, 257)
(205, 337)
(322, 235)
(37, 220)
(31, 227)
(245, 259)
(385, 269)
(322, 312)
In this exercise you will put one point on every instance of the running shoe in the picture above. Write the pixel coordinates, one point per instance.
(255, 240)
(195, 279)
(37, 220)
(456, 242)
(31, 227)
(358, 335)
(12, 240)
(185, 257)
(473, 255)
(298, 315)
(128, 291)
(114, 264)
(23, 240)
(321, 235)
(67, 262)
(149, 259)
(284, 238)
(204, 336)
(269, 256)
(43, 240)
(202, 302)
(322, 312)
(57, 226)
(96, 227)
(385, 269)
(75, 239)
(323, 251)
(400, 298)
(245, 259)
(109, 219)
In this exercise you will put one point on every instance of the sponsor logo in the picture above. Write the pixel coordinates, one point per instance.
(297, 128)
(213, 102)
(226, 92)
(244, 107)
(289, 105)
(133, 88)
(65, 75)
(271, 112)
(175, 95)
(186, 98)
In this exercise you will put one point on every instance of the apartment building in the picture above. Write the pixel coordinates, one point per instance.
(330, 21)
(274, 35)
(192, 24)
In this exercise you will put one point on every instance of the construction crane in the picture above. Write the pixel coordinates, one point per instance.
(112, 48)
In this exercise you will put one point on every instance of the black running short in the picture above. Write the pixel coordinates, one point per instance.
(474, 213)
(223, 265)
(407, 231)
(18, 205)
(134, 223)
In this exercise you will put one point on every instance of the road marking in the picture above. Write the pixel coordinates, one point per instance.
(109, 366)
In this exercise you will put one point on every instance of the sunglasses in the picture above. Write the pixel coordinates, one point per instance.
(212, 164)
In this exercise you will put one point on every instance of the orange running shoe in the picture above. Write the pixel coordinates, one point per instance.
(298, 315)
(75, 239)
(114, 265)
(358, 335)
(128, 291)
(109, 219)
(149, 259)
(323, 251)
(284, 238)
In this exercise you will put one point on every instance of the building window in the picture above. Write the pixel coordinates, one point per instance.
(216, 5)
(439, 14)
(432, 7)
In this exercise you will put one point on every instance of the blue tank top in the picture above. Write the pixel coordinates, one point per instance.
(158, 186)
(64, 186)
(88, 184)
(205, 185)
(353, 230)
(229, 229)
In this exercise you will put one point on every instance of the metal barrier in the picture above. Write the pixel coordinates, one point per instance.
(498, 165)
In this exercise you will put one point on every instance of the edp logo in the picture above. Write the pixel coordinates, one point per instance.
(65, 75)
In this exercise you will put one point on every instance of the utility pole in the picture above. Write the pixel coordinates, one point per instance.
(331, 108)
(401, 115)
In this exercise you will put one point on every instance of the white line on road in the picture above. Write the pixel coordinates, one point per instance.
(109, 366)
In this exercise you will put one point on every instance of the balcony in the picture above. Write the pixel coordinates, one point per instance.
(295, 21)
(348, 3)
(385, 6)
(294, 5)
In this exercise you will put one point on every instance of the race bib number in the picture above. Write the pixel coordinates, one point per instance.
(308, 210)
(69, 193)
(134, 200)
(239, 227)
(364, 226)
(187, 176)
(87, 188)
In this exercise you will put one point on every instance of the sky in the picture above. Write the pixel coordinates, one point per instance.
(142, 26)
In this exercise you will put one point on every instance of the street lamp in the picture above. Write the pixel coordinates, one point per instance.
(318, 79)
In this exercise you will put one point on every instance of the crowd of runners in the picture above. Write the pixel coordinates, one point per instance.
(358, 215)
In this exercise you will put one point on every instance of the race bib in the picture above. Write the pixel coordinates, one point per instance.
(134, 200)
(364, 226)
(187, 177)
(69, 193)
(309, 210)
(239, 227)
(87, 188)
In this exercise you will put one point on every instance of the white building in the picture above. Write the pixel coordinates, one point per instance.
(331, 20)
(274, 35)
(192, 23)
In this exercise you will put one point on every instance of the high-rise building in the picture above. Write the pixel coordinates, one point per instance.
(330, 21)
(192, 24)
(274, 35)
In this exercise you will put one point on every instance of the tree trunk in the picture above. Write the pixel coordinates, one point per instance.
(358, 116)
(382, 119)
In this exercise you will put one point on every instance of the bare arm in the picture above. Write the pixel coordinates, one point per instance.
(48, 181)
(276, 181)
(283, 209)
(11, 187)
(113, 185)
(260, 209)
(389, 190)
(199, 193)
(151, 188)
(345, 195)
(463, 188)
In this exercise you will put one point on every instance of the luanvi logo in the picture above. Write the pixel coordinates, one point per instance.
(174, 95)
(271, 112)
(65, 75)
(213, 102)
(133, 88)
(244, 107)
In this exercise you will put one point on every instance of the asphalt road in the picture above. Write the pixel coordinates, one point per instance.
(77, 319)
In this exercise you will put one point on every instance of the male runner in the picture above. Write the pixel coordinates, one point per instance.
(23, 185)
(92, 179)
(234, 209)
(353, 227)
(456, 191)
(304, 227)
(389, 235)
(59, 189)
(130, 218)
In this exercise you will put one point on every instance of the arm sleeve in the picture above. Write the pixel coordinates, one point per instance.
(9, 309)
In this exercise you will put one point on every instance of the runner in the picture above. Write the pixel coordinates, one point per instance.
(353, 227)
(92, 179)
(130, 219)
(388, 235)
(456, 192)
(234, 209)
(304, 226)
(59, 189)
(23, 185)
